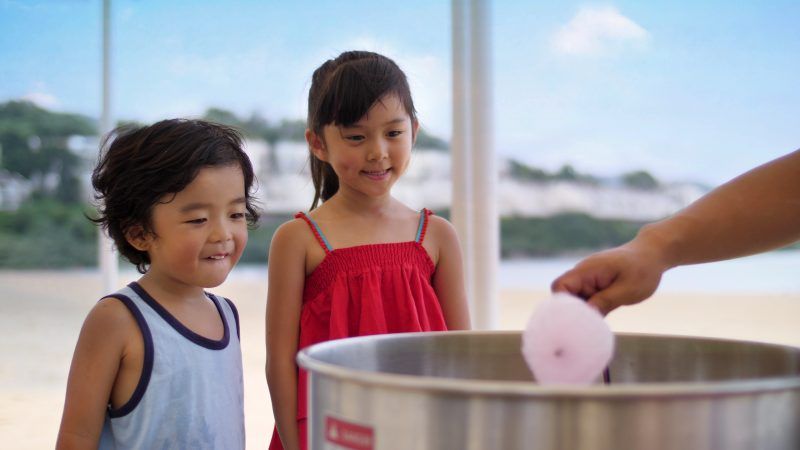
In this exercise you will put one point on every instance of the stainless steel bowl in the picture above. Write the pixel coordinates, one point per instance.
(472, 390)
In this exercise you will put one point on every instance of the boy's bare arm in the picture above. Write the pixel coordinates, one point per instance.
(284, 299)
(94, 367)
(448, 281)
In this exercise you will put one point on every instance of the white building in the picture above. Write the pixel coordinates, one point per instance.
(14, 189)
(427, 184)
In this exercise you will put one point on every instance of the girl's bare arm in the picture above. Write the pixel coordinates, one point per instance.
(448, 281)
(284, 298)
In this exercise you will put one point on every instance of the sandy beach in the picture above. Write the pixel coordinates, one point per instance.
(41, 314)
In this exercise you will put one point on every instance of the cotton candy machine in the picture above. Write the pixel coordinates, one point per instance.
(472, 390)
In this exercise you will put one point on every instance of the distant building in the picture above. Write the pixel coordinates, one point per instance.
(14, 189)
(87, 148)
(427, 184)
(288, 188)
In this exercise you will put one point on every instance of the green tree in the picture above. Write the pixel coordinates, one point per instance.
(522, 171)
(224, 117)
(429, 141)
(45, 233)
(34, 144)
(640, 179)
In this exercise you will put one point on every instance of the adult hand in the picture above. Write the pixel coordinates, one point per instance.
(609, 279)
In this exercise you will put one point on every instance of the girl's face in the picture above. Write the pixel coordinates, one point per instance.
(200, 232)
(370, 155)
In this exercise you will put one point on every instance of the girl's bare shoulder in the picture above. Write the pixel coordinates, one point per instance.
(294, 233)
(296, 245)
(440, 227)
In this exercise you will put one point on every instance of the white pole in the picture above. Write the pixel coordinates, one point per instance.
(460, 151)
(106, 256)
(485, 217)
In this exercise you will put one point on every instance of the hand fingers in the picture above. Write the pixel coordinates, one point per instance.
(619, 293)
(583, 283)
(601, 303)
(569, 282)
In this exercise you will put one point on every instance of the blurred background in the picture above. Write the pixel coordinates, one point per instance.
(607, 115)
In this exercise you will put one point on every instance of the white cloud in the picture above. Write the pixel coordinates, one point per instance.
(597, 31)
(42, 99)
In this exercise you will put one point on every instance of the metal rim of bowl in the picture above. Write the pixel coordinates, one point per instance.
(529, 389)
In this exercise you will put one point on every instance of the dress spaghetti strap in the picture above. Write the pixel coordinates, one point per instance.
(317, 232)
(423, 225)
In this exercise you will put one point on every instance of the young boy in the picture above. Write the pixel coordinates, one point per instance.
(158, 363)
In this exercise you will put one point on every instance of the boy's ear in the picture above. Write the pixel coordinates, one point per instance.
(316, 145)
(138, 238)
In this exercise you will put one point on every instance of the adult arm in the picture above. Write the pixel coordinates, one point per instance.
(756, 211)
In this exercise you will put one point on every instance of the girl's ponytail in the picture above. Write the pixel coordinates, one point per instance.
(326, 183)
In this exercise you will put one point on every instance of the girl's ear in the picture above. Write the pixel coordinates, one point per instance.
(316, 145)
(414, 132)
(138, 238)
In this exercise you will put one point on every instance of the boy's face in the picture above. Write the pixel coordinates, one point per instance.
(200, 233)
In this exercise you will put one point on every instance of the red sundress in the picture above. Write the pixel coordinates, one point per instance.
(364, 290)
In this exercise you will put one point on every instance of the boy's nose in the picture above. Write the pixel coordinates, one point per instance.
(220, 232)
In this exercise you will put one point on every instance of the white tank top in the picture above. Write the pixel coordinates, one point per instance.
(190, 394)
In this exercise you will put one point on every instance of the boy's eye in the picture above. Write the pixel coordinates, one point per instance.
(197, 221)
(238, 215)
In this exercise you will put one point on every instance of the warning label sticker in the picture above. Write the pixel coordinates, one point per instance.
(344, 435)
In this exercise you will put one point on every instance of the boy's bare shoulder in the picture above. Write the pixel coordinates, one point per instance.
(111, 321)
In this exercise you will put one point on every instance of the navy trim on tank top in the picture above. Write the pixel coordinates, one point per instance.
(147, 366)
(181, 328)
(235, 316)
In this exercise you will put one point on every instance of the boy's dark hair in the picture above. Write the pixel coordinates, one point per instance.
(138, 166)
(342, 90)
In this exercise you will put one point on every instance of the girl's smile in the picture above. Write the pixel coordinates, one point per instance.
(378, 175)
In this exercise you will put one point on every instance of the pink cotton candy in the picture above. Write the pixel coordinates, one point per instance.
(567, 341)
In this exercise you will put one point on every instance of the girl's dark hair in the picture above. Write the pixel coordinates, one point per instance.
(138, 166)
(342, 91)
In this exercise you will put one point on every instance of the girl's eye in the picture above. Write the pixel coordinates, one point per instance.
(395, 133)
(355, 138)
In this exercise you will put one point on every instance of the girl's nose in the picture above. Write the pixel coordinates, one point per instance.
(377, 151)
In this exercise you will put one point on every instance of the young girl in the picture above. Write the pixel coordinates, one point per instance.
(362, 262)
(158, 363)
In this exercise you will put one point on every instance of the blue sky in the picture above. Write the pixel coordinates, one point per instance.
(688, 90)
